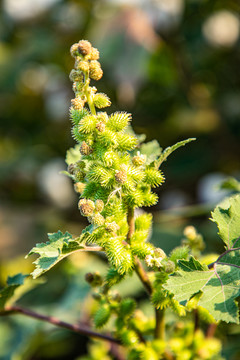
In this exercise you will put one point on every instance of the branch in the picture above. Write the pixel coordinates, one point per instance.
(143, 276)
(80, 329)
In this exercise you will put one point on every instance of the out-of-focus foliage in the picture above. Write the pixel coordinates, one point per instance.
(173, 64)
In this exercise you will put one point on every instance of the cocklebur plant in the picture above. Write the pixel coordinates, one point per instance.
(115, 173)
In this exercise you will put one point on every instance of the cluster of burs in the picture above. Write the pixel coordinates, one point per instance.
(111, 175)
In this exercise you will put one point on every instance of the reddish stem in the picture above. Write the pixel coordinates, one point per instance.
(80, 329)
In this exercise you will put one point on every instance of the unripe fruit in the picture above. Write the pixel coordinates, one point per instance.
(102, 315)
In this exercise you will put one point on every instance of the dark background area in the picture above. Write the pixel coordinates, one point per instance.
(173, 64)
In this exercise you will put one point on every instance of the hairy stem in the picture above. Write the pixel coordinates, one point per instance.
(159, 314)
(80, 329)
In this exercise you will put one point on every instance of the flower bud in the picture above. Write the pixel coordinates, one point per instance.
(94, 279)
(103, 117)
(149, 260)
(84, 47)
(95, 71)
(75, 75)
(96, 219)
(71, 168)
(139, 159)
(85, 149)
(159, 253)
(79, 175)
(77, 86)
(169, 267)
(190, 232)
(79, 187)
(112, 227)
(77, 103)
(89, 277)
(97, 296)
(81, 164)
(83, 66)
(99, 205)
(86, 207)
(74, 50)
(100, 126)
(121, 176)
(94, 54)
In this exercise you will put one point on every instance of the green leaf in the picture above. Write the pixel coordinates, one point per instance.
(152, 150)
(227, 217)
(219, 286)
(73, 155)
(230, 184)
(59, 246)
(7, 292)
(169, 150)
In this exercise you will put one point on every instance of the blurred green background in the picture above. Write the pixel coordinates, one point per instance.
(174, 65)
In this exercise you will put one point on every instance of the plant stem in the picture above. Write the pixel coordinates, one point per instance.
(143, 276)
(88, 95)
(159, 314)
(80, 329)
(131, 223)
(211, 330)
(196, 319)
(160, 324)
(90, 104)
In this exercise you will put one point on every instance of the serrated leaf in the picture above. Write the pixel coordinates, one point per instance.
(169, 150)
(8, 291)
(50, 253)
(227, 217)
(220, 286)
